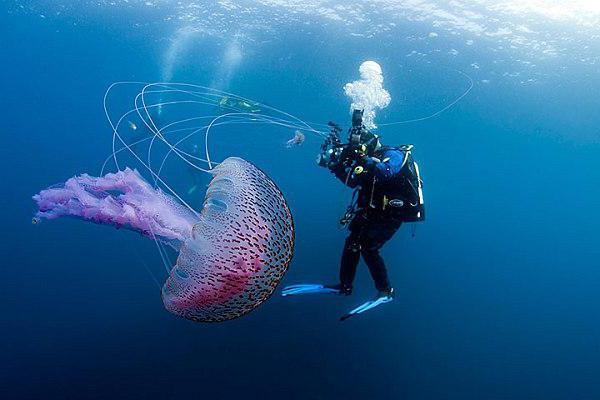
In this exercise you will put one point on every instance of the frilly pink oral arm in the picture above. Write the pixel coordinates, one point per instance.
(121, 199)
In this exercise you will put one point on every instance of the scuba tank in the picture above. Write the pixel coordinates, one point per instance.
(407, 197)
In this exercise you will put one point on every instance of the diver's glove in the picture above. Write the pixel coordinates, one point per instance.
(331, 157)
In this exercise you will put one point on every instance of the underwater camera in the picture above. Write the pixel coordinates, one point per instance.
(332, 147)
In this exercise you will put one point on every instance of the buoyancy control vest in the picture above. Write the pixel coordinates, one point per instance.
(402, 194)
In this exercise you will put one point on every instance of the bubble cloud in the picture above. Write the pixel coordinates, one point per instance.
(368, 93)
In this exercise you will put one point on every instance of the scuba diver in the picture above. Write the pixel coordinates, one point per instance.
(387, 192)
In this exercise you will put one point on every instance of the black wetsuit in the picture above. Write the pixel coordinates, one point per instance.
(374, 223)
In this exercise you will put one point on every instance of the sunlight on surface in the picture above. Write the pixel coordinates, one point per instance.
(524, 38)
(581, 10)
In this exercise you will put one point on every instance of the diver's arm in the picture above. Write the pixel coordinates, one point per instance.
(344, 174)
(388, 167)
(340, 161)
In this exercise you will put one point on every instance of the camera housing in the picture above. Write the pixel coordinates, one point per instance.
(357, 118)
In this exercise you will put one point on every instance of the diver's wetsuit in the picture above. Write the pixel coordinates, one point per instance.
(367, 236)
(374, 223)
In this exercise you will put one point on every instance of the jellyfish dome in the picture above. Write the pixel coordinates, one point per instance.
(238, 251)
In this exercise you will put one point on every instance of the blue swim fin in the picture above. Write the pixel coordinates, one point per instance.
(381, 299)
(307, 288)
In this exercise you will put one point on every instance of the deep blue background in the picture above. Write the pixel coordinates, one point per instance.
(497, 293)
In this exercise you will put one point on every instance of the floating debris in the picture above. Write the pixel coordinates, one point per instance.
(297, 140)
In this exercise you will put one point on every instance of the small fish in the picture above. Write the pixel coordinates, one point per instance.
(192, 189)
(249, 106)
(132, 125)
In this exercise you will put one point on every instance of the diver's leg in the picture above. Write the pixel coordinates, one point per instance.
(377, 269)
(351, 255)
(376, 235)
(350, 259)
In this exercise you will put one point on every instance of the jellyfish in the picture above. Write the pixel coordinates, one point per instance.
(234, 248)
(297, 140)
(231, 256)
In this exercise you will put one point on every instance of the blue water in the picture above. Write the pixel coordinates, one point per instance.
(497, 294)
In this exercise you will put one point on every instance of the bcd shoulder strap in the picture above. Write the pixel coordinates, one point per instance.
(406, 149)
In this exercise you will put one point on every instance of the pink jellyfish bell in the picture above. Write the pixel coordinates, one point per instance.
(237, 252)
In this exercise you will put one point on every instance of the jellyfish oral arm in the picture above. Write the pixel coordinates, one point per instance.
(122, 199)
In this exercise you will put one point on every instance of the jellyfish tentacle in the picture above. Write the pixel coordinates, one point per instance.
(435, 114)
(189, 95)
(160, 251)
